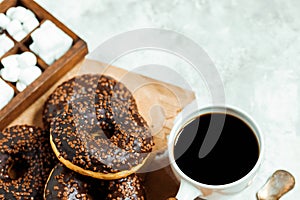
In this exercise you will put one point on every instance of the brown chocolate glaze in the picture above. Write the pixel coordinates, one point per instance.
(129, 187)
(106, 90)
(73, 88)
(102, 131)
(79, 139)
(26, 159)
(66, 184)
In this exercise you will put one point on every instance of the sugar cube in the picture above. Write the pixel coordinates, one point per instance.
(20, 86)
(27, 59)
(19, 13)
(4, 20)
(30, 24)
(10, 61)
(10, 74)
(6, 43)
(20, 35)
(14, 27)
(29, 74)
(10, 12)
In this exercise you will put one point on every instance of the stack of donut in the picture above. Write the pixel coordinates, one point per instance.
(98, 136)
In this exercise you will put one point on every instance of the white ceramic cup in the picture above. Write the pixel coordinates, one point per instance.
(189, 188)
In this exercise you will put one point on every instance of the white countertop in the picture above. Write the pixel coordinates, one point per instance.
(255, 46)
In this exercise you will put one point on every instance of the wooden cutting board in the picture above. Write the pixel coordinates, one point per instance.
(158, 102)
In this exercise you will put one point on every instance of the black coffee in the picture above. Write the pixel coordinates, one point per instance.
(233, 156)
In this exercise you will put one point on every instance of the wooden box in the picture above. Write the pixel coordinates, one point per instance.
(51, 73)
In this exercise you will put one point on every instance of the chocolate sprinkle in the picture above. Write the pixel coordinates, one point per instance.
(100, 131)
(71, 89)
(66, 184)
(26, 159)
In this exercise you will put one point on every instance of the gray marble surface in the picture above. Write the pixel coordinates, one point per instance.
(255, 46)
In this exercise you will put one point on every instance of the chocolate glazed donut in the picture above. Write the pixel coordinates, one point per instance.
(26, 160)
(66, 184)
(101, 135)
(83, 146)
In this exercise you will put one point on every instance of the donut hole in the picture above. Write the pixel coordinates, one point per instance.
(98, 133)
(17, 168)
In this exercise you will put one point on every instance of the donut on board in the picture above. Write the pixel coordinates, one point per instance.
(26, 160)
(66, 184)
(96, 129)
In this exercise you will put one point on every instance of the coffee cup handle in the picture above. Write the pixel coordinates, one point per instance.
(187, 191)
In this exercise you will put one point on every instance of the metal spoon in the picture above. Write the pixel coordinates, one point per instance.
(276, 186)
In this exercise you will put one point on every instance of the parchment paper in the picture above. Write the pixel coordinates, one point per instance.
(158, 103)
